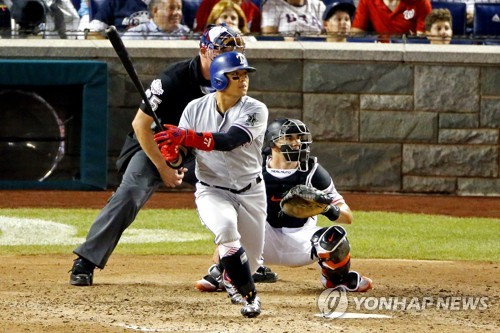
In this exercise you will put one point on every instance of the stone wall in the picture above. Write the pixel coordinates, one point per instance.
(385, 117)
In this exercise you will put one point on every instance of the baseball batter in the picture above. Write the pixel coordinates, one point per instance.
(292, 241)
(143, 166)
(225, 131)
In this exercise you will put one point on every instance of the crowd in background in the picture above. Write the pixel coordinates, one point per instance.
(320, 20)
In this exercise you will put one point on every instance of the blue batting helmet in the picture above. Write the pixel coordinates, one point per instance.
(226, 63)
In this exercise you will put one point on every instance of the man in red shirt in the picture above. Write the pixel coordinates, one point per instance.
(391, 17)
(252, 13)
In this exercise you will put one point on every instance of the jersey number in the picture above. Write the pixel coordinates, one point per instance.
(154, 101)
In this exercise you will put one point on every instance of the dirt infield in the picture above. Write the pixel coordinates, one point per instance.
(156, 293)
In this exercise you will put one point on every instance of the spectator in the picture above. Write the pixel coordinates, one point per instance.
(123, 14)
(164, 23)
(62, 18)
(337, 20)
(391, 17)
(226, 11)
(291, 17)
(84, 14)
(252, 14)
(438, 26)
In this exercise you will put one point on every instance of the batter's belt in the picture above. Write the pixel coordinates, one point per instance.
(244, 189)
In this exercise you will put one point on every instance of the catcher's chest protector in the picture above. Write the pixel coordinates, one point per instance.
(275, 190)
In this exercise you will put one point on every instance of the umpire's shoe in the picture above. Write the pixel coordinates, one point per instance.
(265, 275)
(82, 272)
(251, 308)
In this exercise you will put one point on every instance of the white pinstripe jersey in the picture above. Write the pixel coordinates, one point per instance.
(290, 19)
(236, 168)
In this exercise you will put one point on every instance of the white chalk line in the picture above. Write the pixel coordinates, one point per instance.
(352, 315)
(24, 231)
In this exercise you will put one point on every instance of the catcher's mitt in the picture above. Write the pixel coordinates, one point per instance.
(305, 201)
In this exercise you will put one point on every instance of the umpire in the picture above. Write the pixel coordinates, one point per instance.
(142, 163)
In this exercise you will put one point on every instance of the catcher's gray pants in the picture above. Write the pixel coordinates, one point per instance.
(139, 182)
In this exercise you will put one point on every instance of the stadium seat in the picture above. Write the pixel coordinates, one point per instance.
(311, 39)
(487, 19)
(362, 39)
(491, 42)
(463, 41)
(458, 14)
(278, 38)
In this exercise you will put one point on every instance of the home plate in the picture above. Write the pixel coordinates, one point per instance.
(351, 315)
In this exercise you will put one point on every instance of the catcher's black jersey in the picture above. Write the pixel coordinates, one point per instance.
(276, 188)
(178, 85)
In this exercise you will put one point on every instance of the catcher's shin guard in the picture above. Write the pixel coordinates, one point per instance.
(331, 247)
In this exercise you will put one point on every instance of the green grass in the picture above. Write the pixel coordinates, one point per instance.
(372, 235)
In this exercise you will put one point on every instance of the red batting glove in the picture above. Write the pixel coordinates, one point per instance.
(172, 135)
(169, 152)
(176, 136)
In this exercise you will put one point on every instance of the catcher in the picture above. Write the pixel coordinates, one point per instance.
(298, 188)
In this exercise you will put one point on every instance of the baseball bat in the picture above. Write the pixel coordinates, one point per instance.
(121, 51)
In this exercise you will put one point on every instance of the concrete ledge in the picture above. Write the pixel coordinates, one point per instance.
(352, 52)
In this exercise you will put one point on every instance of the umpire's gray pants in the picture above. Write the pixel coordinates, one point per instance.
(139, 182)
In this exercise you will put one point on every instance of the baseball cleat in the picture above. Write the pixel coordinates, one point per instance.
(251, 309)
(208, 284)
(365, 284)
(265, 275)
(353, 282)
(232, 292)
(211, 282)
(82, 272)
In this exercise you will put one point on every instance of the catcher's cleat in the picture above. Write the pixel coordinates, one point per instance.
(365, 284)
(211, 282)
(82, 272)
(208, 284)
(265, 275)
(232, 292)
(354, 282)
(251, 309)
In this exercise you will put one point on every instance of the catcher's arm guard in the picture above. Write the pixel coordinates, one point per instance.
(305, 201)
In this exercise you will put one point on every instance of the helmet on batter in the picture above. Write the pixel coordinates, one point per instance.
(279, 129)
(226, 63)
(218, 37)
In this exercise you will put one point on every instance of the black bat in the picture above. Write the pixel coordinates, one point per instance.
(121, 51)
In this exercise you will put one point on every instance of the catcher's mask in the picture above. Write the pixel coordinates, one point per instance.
(284, 129)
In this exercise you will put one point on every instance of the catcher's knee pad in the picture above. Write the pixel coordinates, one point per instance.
(331, 247)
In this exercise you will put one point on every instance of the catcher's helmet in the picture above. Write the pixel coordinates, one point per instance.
(226, 63)
(281, 127)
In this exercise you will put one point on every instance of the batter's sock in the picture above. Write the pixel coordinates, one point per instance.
(237, 268)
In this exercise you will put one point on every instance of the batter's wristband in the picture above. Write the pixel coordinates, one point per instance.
(199, 140)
